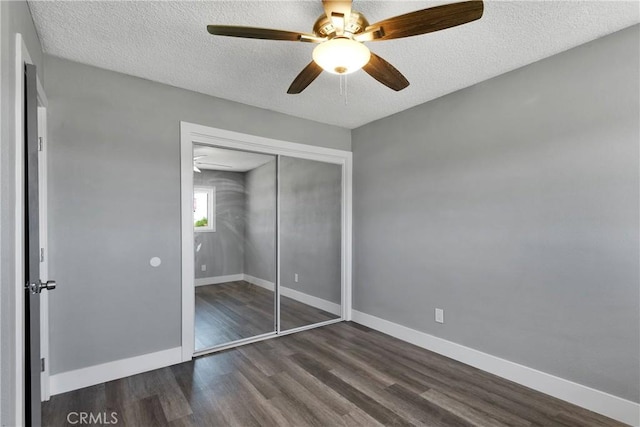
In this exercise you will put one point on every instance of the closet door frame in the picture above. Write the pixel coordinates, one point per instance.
(191, 134)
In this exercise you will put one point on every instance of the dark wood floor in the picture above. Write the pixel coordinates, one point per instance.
(338, 375)
(231, 311)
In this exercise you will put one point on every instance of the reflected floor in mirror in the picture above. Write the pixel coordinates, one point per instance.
(232, 311)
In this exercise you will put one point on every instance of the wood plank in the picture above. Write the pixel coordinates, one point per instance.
(341, 374)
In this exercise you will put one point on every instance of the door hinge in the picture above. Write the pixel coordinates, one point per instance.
(42, 365)
(40, 142)
(41, 254)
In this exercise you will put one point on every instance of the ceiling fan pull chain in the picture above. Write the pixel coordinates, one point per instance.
(346, 98)
(340, 79)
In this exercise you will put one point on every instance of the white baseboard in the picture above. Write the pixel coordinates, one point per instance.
(316, 302)
(259, 282)
(594, 400)
(215, 280)
(98, 374)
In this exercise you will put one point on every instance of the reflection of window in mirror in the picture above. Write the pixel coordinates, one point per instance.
(204, 208)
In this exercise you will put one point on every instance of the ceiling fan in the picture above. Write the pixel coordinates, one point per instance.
(340, 34)
(195, 165)
(197, 162)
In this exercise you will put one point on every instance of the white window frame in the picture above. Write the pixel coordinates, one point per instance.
(211, 199)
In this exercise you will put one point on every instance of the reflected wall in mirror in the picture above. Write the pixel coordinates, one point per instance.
(310, 242)
(235, 250)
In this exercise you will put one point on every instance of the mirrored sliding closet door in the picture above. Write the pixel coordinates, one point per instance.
(310, 230)
(267, 234)
(234, 215)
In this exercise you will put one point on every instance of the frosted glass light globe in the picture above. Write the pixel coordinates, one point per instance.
(341, 55)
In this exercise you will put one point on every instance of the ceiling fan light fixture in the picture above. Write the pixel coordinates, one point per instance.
(340, 32)
(341, 55)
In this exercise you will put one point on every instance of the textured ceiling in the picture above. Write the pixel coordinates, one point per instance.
(167, 42)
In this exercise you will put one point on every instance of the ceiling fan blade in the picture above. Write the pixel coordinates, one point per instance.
(370, 33)
(262, 33)
(385, 73)
(214, 164)
(429, 20)
(305, 78)
(338, 11)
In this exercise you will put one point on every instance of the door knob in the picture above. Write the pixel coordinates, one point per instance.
(48, 285)
(38, 287)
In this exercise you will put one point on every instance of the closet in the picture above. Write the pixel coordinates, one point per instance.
(267, 244)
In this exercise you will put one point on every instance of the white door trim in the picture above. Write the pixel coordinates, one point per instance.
(22, 57)
(192, 133)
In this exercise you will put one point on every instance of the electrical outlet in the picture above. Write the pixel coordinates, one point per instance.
(439, 315)
(203, 267)
(295, 277)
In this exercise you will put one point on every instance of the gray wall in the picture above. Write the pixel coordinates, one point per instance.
(107, 130)
(222, 251)
(15, 18)
(260, 203)
(513, 205)
(310, 227)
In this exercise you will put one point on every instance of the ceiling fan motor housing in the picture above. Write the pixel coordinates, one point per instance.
(324, 27)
